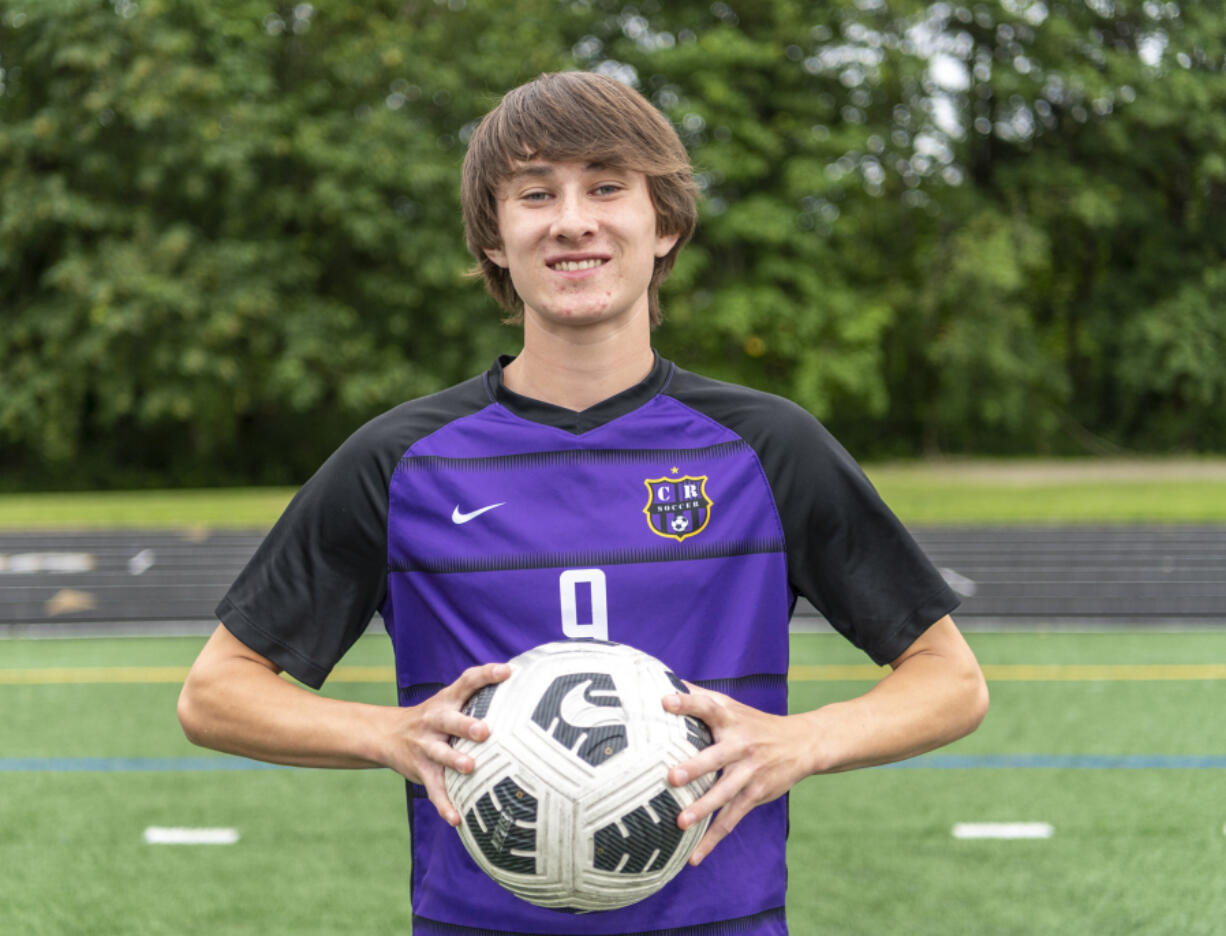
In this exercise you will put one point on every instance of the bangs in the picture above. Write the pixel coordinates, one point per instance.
(580, 117)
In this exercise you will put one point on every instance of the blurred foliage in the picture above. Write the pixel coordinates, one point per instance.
(230, 231)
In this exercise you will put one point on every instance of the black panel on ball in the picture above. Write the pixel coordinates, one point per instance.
(599, 742)
(495, 826)
(644, 837)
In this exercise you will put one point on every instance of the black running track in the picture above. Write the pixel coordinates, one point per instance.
(1097, 575)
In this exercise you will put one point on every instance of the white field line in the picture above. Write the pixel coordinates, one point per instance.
(170, 835)
(1003, 830)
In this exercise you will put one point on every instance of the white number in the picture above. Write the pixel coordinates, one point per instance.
(568, 588)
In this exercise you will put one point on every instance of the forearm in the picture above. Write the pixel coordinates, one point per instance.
(235, 703)
(935, 694)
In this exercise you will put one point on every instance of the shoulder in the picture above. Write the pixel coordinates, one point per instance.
(386, 437)
(766, 421)
(809, 471)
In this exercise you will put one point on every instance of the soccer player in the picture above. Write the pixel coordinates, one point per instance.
(586, 487)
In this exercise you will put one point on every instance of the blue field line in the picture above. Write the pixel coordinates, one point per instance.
(129, 764)
(1064, 761)
(926, 762)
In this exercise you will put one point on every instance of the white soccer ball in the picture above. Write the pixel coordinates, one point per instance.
(569, 804)
(679, 522)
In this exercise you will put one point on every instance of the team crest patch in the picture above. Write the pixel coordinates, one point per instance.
(677, 507)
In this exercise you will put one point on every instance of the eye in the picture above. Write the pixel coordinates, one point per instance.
(536, 196)
(607, 188)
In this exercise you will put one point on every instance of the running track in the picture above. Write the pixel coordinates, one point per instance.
(163, 582)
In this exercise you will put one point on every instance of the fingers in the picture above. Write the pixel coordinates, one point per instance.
(712, 707)
(731, 784)
(474, 678)
(753, 750)
(733, 795)
(444, 720)
(436, 792)
(709, 760)
(458, 725)
(420, 743)
(443, 712)
(443, 754)
(720, 826)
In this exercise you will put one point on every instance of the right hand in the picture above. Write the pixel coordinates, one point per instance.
(420, 736)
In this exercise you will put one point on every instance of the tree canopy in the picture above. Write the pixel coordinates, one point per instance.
(230, 231)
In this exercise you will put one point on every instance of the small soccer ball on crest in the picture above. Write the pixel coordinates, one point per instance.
(569, 805)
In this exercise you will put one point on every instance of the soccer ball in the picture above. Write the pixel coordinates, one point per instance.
(680, 522)
(569, 804)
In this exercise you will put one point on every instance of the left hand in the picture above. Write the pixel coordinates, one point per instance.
(762, 756)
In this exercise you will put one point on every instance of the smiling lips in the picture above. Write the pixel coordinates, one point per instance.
(576, 265)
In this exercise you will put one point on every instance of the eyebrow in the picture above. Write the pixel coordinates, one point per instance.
(536, 170)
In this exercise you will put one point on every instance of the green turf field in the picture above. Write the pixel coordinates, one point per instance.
(1135, 849)
(974, 491)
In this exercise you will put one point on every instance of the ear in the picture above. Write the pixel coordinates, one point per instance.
(664, 243)
(496, 256)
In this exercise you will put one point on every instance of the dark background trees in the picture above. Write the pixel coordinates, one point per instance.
(230, 232)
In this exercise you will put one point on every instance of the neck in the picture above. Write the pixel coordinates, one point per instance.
(578, 368)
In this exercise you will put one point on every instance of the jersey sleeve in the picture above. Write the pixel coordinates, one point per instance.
(847, 552)
(319, 576)
(317, 579)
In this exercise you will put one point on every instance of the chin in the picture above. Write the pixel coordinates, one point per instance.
(577, 313)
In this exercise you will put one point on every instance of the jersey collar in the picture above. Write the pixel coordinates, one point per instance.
(579, 421)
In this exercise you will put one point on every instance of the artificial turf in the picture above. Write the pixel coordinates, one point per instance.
(1133, 850)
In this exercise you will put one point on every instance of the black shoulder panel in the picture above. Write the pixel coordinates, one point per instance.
(847, 552)
(319, 576)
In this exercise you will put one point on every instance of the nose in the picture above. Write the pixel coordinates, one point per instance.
(574, 219)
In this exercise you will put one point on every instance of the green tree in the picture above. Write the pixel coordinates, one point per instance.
(229, 232)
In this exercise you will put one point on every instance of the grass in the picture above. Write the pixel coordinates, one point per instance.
(1056, 491)
(221, 508)
(1135, 850)
(946, 492)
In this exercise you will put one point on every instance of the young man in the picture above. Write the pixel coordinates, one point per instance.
(684, 515)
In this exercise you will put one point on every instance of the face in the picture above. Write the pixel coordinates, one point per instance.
(579, 241)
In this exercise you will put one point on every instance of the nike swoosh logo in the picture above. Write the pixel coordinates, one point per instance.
(457, 517)
(578, 712)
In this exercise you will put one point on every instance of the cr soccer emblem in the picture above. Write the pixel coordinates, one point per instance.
(677, 507)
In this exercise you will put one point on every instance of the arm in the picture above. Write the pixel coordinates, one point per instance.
(234, 700)
(934, 694)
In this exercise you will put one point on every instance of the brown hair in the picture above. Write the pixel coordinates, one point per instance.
(574, 117)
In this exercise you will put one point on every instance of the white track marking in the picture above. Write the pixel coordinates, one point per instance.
(964, 586)
(1003, 830)
(168, 835)
(142, 562)
(60, 563)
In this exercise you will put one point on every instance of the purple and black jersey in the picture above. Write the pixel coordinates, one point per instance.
(683, 516)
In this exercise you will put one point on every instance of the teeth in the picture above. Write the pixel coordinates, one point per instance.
(570, 266)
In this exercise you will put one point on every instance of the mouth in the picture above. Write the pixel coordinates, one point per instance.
(576, 264)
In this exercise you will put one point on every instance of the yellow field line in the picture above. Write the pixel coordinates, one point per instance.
(83, 675)
(853, 672)
(1036, 672)
(1089, 672)
(995, 672)
(73, 675)
(364, 674)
